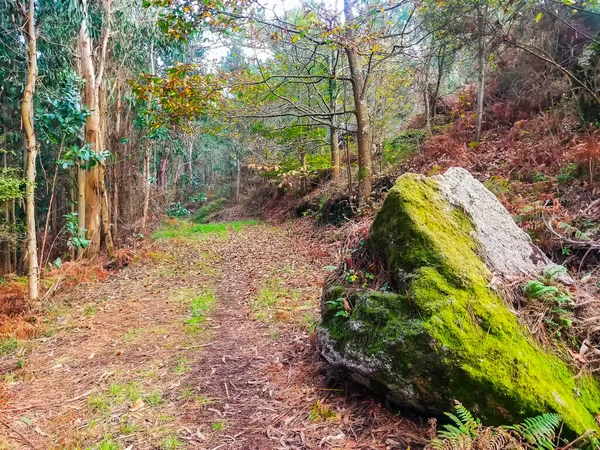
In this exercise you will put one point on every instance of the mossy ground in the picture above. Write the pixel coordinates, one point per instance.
(450, 336)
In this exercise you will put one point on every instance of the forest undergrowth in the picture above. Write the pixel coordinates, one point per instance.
(203, 341)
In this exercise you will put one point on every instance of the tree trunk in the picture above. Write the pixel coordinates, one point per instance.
(190, 167)
(363, 125)
(238, 180)
(7, 265)
(105, 213)
(147, 151)
(95, 198)
(92, 129)
(333, 129)
(27, 111)
(480, 74)
(146, 185)
(334, 137)
(163, 164)
(81, 176)
(115, 166)
(104, 204)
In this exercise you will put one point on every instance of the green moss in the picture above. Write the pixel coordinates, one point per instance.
(450, 337)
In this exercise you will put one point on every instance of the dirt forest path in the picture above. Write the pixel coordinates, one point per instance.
(204, 342)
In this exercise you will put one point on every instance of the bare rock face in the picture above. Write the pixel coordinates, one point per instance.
(443, 333)
(506, 248)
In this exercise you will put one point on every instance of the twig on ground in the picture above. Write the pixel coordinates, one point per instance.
(71, 400)
(21, 435)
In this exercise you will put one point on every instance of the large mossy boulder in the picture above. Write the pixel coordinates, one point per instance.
(445, 334)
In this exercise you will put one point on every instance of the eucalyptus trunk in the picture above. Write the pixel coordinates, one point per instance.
(27, 111)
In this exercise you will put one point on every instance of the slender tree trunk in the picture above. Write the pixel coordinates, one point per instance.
(147, 151)
(163, 164)
(81, 183)
(92, 129)
(104, 204)
(115, 166)
(333, 129)
(7, 266)
(14, 260)
(27, 111)
(146, 185)
(106, 229)
(238, 180)
(52, 191)
(190, 167)
(348, 164)
(363, 125)
(334, 137)
(480, 73)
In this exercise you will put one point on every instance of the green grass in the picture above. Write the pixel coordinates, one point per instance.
(199, 309)
(171, 442)
(155, 399)
(275, 302)
(128, 426)
(107, 443)
(117, 396)
(182, 366)
(132, 334)
(219, 425)
(8, 345)
(186, 229)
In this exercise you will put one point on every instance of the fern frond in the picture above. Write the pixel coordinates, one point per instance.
(465, 416)
(451, 432)
(539, 431)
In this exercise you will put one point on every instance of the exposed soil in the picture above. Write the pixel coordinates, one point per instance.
(138, 362)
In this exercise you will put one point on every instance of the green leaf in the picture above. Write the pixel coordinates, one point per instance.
(26, 420)
(539, 17)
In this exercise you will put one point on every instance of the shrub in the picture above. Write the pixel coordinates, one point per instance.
(177, 211)
(204, 213)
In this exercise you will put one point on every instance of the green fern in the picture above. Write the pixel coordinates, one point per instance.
(539, 431)
(465, 424)
(537, 289)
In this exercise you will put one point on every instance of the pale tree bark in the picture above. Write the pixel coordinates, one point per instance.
(96, 200)
(81, 183)
(92, 130)
(190, 155)
(147, 151)
(363, 124)
(7, 265)
(104, 206)
(27, 111)
(238, 180)
(115, 167)
(480, 73)
(334, 137)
